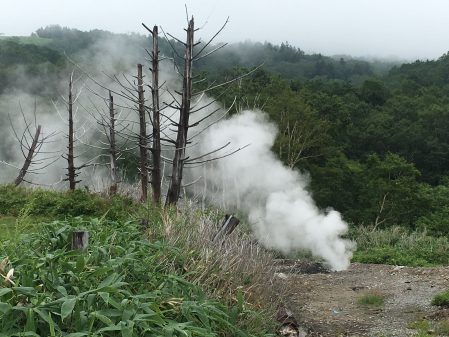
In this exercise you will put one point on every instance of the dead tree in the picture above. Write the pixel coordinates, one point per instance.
(143, 138)
(191, 102)
(112, 147)
(31, 146)
(72, 174)
(156, 178)
(183, 125)
(110, 138)
(29, 157)
(73, 171)
(155, 117)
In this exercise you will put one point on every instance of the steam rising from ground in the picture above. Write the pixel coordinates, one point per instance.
(281, 212)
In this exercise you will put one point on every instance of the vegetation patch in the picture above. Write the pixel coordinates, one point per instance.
(6, 227)
(399, 246)
(122, 286)
(427, 328)
(371, 299)
(442, 299)
(48, 204)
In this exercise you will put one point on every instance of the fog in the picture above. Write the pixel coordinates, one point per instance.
(406, 29)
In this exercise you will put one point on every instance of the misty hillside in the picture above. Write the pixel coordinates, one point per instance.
(365, 134)
(49, 45)
(323, 161)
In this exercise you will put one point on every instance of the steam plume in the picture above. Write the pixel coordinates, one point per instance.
(281, 212)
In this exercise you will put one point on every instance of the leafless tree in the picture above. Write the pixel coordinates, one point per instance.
(31, 146)
(190, 102)
(156, 177)
(143, 137)
(298, 137)
(110, 139)
(73, 171)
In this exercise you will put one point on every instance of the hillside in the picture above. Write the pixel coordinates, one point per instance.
(366, 138)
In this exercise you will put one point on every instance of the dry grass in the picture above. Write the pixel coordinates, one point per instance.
(233, 269)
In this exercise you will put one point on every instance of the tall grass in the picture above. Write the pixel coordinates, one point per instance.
(399, 246)
(234, 269)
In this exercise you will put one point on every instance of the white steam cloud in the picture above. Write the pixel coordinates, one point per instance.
(281, 212)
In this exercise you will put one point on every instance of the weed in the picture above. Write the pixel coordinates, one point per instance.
(442, 299)
(399, 246)
(123, 286)
(371, 299)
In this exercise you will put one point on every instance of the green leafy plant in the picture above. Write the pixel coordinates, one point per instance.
(122, 286)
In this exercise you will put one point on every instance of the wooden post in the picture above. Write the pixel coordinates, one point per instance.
(80, 240)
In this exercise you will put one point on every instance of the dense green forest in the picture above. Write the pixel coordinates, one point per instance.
(372, 135)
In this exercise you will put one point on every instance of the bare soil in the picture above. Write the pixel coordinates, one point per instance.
(326, 303)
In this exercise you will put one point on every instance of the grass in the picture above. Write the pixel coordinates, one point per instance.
(427, 328)
(371, 300)
(123, 286)
(7, 224)
(441, 300)
(399, 246)
(168, 279)
(52, 205)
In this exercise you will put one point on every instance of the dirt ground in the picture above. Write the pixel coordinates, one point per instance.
(326, 303)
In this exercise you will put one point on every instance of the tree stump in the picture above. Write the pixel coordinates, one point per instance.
(227, 227)
(80, 240)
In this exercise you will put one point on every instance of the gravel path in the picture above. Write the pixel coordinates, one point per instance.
(327, 303)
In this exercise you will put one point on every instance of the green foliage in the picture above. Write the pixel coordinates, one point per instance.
(427, 328)
(123, 286)
(399, 246)
(371, 300)
(441, 300)
(374, 92)
(50, 204)
(7, 227)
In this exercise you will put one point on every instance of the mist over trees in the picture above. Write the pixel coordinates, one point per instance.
(372, 136)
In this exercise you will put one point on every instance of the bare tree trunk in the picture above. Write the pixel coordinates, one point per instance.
(112, 146)
(183, 126)
(143, 146)
(156, 179)
(70, 157)
(29, 157)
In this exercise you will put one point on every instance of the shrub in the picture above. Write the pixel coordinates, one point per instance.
(371, 300)
(49, 204)
(12, 199)
(442, 299)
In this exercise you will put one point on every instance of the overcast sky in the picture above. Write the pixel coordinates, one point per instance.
(383, 28)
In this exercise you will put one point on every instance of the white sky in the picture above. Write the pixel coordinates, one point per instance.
(383, 28)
